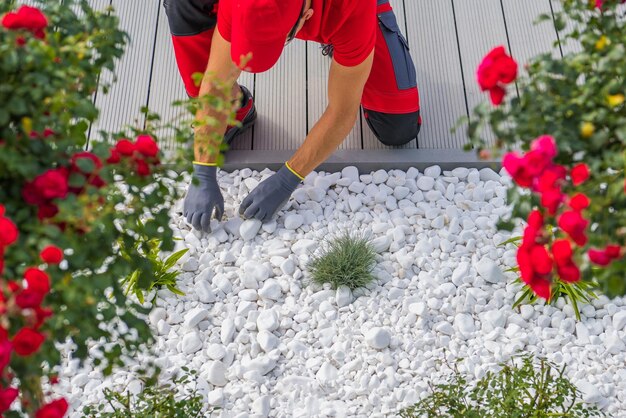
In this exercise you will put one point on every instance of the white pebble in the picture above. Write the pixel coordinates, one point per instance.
(293, 221)
(191, 343)
(378, 338)
(249, 228)
(267, 320)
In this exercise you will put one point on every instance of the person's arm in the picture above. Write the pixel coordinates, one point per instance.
(345, 88)
(204, 197)
(222, 68)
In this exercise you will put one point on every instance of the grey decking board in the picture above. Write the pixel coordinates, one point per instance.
(526, 39)
(280, 101)
(281, 92)
(433, 42)
(317, 86)
(480, 27)
(569, 46)
(369, 139)
(366, 160)
(166, 85)
(122, 105)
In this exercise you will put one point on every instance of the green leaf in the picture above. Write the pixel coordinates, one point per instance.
(86, 165)
(173, 259)
(527, 293)
(77, 180)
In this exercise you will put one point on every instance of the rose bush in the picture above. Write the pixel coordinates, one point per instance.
(65, 211)
(570, 122)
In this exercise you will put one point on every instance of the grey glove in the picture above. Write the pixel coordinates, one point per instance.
(203, 198)
(269, 196)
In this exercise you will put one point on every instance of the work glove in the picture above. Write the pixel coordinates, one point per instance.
(269, 196)
(203, 198)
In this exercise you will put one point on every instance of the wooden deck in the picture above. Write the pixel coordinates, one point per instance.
(448, 38)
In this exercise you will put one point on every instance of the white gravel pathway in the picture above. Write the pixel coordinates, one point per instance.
(267, 344)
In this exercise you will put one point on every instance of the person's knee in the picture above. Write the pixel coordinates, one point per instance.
(394, 129)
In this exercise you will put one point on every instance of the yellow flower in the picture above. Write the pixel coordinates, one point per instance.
(602, 43)
(587, 129)
(615, 99)
(27, 125)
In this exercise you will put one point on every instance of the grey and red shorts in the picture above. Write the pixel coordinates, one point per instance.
(390, 101)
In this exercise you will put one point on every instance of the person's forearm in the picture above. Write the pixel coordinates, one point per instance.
(322, 141)
(208, 135)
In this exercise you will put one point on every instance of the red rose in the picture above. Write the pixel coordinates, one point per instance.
(574, 225)
(569, 273)
(54, 409)
(487, 75)
(38, 281)
(41, 314)
(2, 210)
(579, 202)
(125, 147)
(7, 396)
(47, 210)
(8, 232)
(606, 256)
(580, 174)
(598, 257)
(541, 259)
(85, 155)
(115, 156)
(516, 167)
(51, 254)
(535, 219)
(143, 169)
(29, 298)
(551, 178)
(31, 194)
(561, 251)
(53, 184)
(524, 262)
(551, 200)
(27, 341)
(541, 287)
(613, 251)
(5, 353)
(146, 145)
(97, 182)
(536, 162)
(13, 286)
(600, 3)
(546, 145)
(496, 94)
(496, 68)
(28, 18)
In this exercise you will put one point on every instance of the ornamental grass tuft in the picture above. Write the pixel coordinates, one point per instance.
(347, 260)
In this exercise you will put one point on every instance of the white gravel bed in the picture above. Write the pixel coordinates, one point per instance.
(266, 343)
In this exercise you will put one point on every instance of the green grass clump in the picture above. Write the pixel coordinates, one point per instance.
(347, 260)
(534, 389)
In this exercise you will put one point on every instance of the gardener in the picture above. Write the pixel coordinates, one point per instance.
(371, 65)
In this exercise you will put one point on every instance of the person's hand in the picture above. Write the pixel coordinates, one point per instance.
(203, 198)
(269, 196)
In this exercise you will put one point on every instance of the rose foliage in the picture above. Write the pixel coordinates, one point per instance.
(65, 211)
(569, 119)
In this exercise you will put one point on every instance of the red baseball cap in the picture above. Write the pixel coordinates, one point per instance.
(260, 28)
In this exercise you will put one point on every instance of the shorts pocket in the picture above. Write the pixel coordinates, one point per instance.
(399, 51)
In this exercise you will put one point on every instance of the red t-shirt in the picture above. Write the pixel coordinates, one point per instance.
(348, 25)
